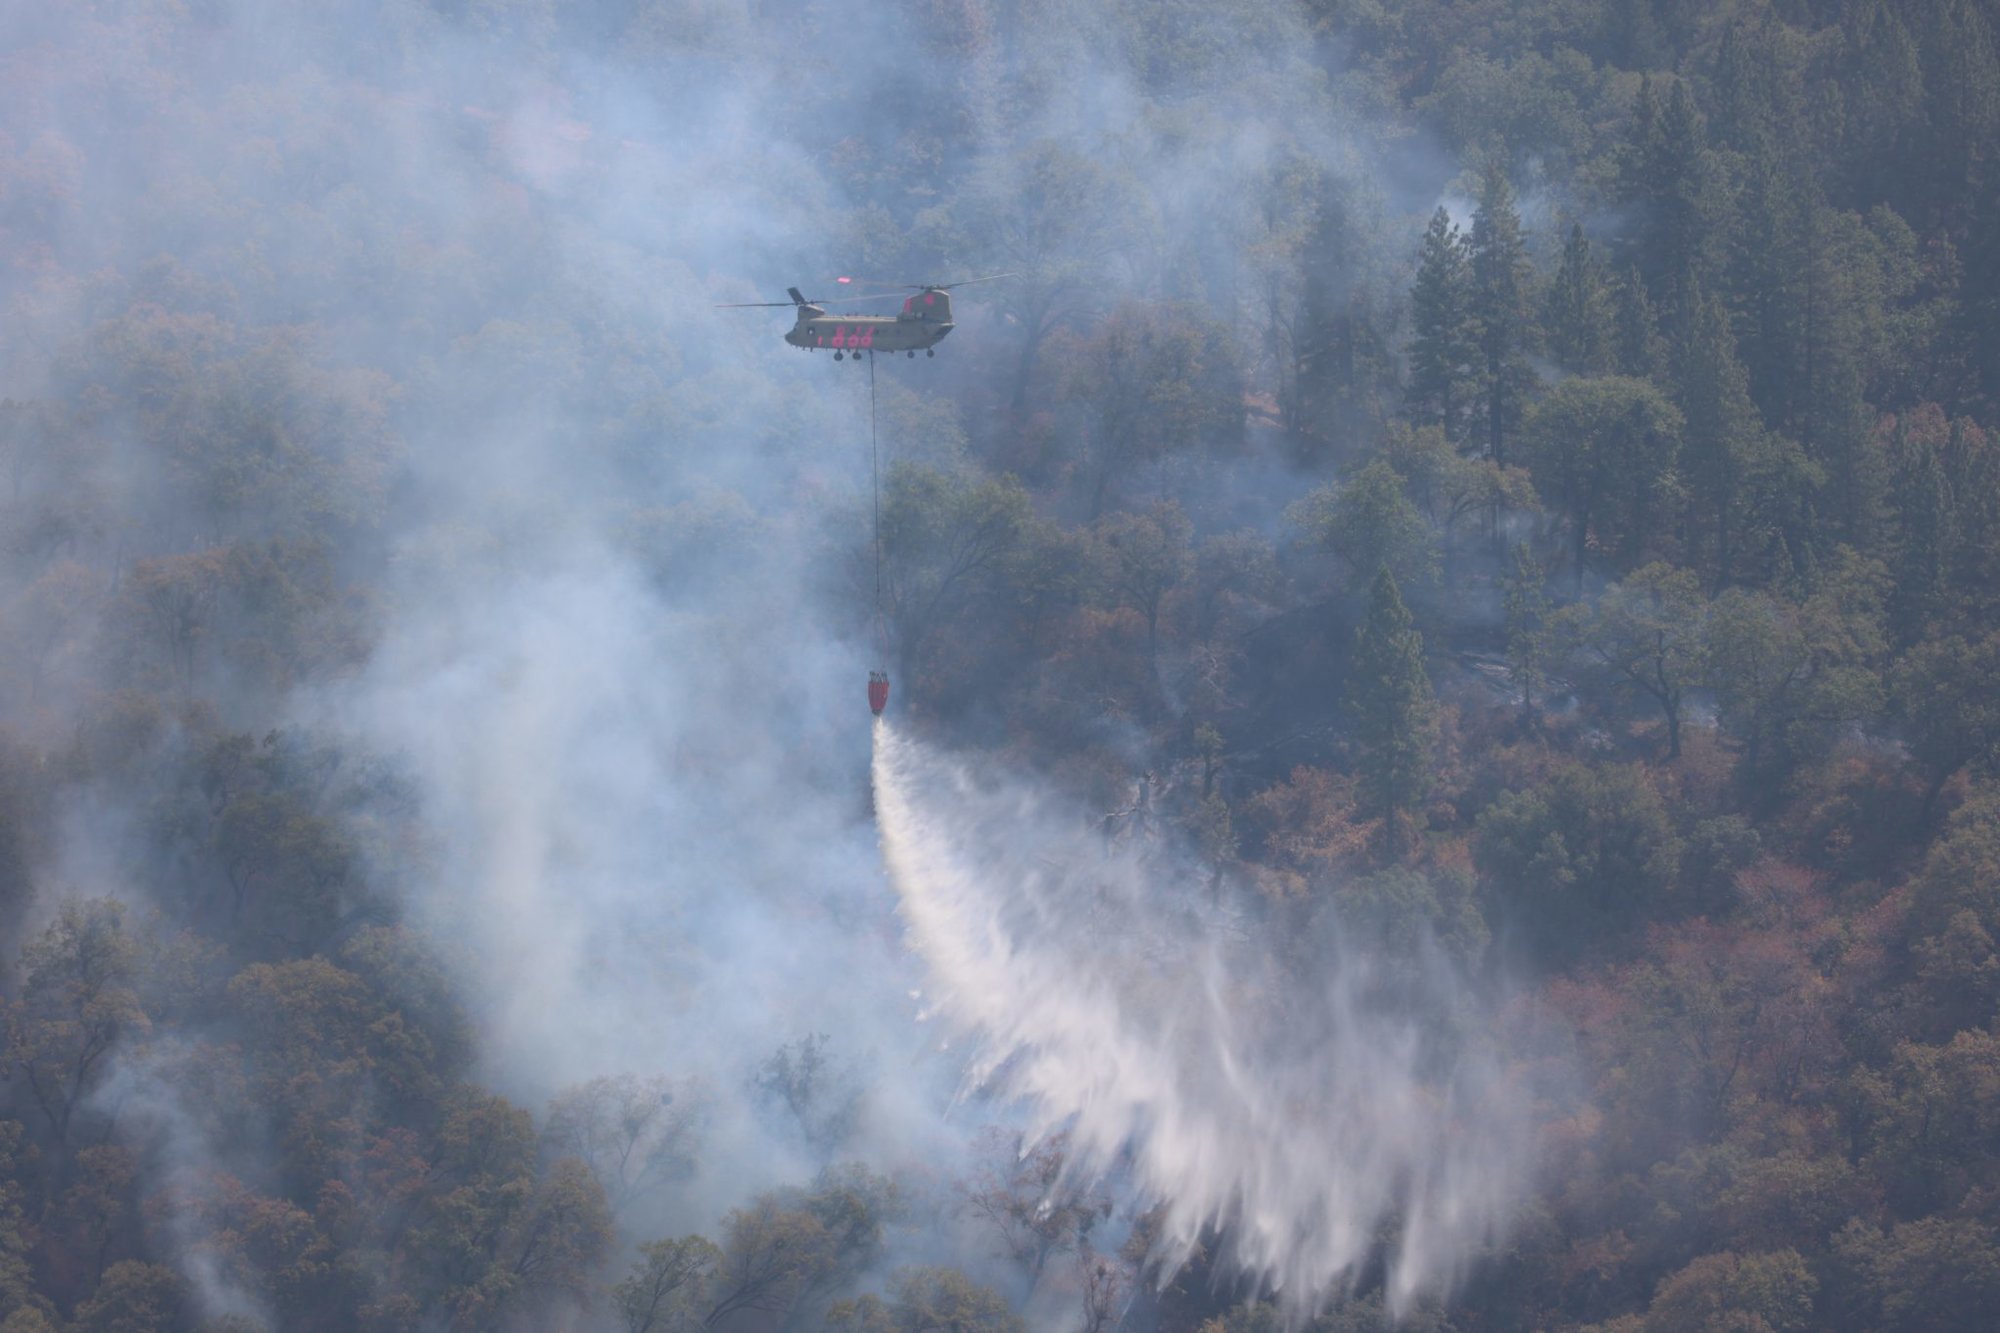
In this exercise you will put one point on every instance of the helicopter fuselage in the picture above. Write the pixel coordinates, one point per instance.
(923, 323)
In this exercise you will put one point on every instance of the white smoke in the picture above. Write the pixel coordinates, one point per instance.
(1314, 1117)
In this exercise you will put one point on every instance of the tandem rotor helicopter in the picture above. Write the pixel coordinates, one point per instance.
(919, 326)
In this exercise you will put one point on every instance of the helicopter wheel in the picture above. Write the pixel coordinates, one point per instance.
(930, 352)
(838, 355)
(912, 355)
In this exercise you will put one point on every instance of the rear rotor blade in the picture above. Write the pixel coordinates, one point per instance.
(967, 282)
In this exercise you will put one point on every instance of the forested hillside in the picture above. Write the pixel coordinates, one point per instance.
(1482, 518)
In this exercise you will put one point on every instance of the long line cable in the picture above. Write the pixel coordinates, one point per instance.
(875, 485)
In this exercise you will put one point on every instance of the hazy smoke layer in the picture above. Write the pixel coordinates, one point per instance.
(1310, 1118)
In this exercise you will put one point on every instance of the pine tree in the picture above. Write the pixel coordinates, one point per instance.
(1742, 115)
(1961, 60)
(1883, 82)
(1923, 540)
(1500, 276)
(1395, 713)
(1679, 193)
(1833, 418)
(1768, 288)
(1444, 350)
(1577, 316)
(1973, 336)
(1640, 352)
(1723, 443)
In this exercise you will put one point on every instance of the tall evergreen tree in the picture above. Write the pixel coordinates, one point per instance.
(1961, 60)
(1444, 350)
(1394, 710)
(1680, 195)
(1758, 99)
(1833, 417)
(1723, 447)
(1922, 544)
(1500, 285)
(1329, 325)
(1768, 287)
(1637, 347)
(1577, 310)
(1882, 80)
(1972, 338)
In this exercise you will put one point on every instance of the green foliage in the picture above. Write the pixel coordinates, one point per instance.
(1741, 483)
(132, 1297)
(1760, 1291)
(1603, 452)
(1406, 909)
(1444, 351)
(1936, 1272)
(1370, 523)
(1942, 692)
(1927, 1114)
(1578, 310)
(1677, 187)
(1155, 384)
(1954, 912)
(1450, 488)
(1790, 677)
(1589, 850)
(1500, 307)
(946, 542)
(20, 1302)
(1394, 713)
(926, 1299)
(1147, 556)
(1650, 635)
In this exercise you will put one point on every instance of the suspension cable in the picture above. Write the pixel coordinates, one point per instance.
(875, 485)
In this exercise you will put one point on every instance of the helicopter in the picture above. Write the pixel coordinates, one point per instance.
(920, 325)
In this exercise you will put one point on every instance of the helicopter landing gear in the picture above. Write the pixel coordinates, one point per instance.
(929, 351)
(838, 355)
(911, 355)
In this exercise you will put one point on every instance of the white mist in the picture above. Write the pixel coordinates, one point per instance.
(1311, 1117)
